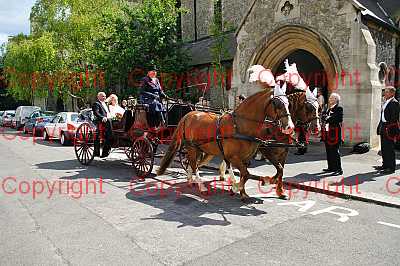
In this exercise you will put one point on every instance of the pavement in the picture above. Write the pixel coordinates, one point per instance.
(101, 215)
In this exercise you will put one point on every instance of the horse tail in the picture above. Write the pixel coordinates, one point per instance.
(173, 147)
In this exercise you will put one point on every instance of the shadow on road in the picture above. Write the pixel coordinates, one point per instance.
(183, 203)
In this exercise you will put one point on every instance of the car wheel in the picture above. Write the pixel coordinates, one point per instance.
(45, 135)
(63, 140)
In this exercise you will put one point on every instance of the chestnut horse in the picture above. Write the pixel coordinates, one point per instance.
(305, 111)
(232, 136)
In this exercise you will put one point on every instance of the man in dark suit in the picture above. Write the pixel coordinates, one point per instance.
(388, 129)
(333, 135)
(103, 121)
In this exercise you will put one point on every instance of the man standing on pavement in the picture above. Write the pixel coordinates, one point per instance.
(333, 134)
(388, 129)
(103, 121)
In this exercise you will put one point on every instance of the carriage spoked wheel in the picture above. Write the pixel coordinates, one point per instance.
(142, 157)
(183, 158)
(84, 143)
(128, 152)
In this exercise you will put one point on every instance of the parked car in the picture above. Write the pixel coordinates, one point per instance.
(7, 117)
(38, 118)
(22, 115)
(62, 127)
(13, 122)
(1, 118)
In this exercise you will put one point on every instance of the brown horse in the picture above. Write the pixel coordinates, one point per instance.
(231, 136)
(304, 110)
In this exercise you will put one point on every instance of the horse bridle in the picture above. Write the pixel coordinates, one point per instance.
(306, 124)
(277, 121)
(273, 122)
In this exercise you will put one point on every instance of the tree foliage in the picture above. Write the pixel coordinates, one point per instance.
(72, 37)
(75, 25)
(26, 58)
(218, 49)
(142, 35)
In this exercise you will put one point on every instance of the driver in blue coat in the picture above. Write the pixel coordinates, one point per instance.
(151, 94)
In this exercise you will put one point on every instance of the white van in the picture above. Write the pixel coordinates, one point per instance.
(22, 114)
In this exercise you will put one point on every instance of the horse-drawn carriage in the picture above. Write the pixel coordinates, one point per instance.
(132, 134)
(207, 133)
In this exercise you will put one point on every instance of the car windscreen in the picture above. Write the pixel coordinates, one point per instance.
(74, 117)
(29, 110)
(47, 113)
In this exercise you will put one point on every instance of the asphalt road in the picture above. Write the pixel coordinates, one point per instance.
(54, 211)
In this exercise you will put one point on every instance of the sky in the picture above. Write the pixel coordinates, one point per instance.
(14, 17)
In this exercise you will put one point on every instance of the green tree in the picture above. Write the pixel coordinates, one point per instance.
(27, 63)
(219, 48)
(75, 25)
(142, 35)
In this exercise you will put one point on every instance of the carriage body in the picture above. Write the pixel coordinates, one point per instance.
(131, 134)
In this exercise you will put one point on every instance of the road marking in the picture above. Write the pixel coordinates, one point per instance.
(388, 224)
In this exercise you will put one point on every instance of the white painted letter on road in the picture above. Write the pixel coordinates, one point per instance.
(344, 217)
(304, 205)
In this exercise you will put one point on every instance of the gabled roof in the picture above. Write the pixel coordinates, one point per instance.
(200, 51)
(381, 11)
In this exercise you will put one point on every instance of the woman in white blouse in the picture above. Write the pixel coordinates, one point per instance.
(115, 109)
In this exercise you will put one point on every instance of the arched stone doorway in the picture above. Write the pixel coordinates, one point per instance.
(298, 42)
(310, 68)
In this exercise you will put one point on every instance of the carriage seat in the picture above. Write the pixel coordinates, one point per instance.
(125, 123)
(142, 106)
(140, 119)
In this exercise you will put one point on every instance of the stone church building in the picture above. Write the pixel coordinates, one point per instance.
(351, 47)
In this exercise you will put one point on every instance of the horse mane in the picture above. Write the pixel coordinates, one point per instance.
(252, 98)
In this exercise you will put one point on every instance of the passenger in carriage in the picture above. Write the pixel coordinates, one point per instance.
(103, 121)
(151, 93)
(116, 111)
(124, 104)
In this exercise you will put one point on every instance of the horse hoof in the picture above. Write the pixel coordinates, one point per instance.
(244, 196)
(282, 197)
(245, 199)
(231, 193)
(204, 193)
(235, 188)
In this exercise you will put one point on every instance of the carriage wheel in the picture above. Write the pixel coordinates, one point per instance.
(183, 158)
(128, 152)
(142, 157)
(84, 144)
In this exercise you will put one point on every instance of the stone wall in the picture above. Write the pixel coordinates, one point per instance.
(385, 46)
(233, 11)
(329, 19)
(188, 31)
(205, 14)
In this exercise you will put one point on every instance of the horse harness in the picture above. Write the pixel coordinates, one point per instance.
(219, 135)
(306, 124)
